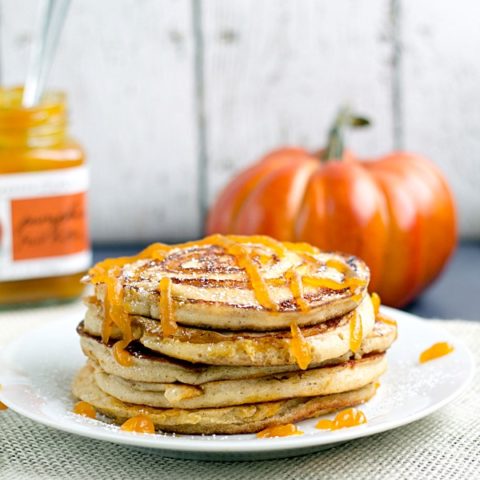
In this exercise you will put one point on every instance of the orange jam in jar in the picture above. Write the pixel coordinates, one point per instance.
(44, 243)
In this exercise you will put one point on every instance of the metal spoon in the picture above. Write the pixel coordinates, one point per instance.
(50, 23)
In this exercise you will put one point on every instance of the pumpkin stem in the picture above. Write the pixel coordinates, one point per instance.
(336, 134)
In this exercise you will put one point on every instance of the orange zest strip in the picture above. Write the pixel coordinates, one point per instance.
(280, 431)
(356, 332)
(435, 351)
(169, 326)
(299, 347)
(296, 286)
(85, 410)
(351, 417)
(138, 424)
(121, 355)
(376, 303)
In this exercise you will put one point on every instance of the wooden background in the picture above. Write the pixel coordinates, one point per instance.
(171, 97)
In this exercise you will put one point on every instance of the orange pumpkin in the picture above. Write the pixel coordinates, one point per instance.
(397, 212)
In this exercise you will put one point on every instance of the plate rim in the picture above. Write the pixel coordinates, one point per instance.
(207, 445)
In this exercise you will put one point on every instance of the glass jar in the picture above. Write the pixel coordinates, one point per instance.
(44, 243)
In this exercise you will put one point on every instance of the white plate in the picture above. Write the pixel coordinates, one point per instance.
(37, 369)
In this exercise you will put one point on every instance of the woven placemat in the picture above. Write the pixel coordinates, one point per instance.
(444, 445)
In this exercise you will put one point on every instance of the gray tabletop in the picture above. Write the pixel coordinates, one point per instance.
(451, 296)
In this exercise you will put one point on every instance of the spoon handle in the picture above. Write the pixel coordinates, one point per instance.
(51, 20)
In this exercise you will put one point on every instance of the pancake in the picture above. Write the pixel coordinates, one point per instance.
(236, 283)
(325, 341)
(149, 366)
(347, 376)
(226, 420)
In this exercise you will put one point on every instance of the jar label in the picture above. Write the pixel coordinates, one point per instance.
(43, 224)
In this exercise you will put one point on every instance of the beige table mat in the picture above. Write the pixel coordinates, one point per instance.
(445, 445)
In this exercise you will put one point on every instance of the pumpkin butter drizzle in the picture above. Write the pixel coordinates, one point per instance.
(279, 431)
(85, 409)
(109, 271)
(437, 350)
(351, 417)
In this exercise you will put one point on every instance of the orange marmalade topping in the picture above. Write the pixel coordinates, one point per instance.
(85, 410)
(296, 287)
(169, 325)
(280, 431)
(299, 347)
(435, 351)
(356, 332)
(375, 302)
(138, 424)
(121, 355)
(351, 417)
(3, 406)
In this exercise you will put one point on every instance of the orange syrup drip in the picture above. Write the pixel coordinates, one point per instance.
(376, 302)
(3, 406)
(257, 282)
(296, 287)
(357, 298)
(276, 282)
(435, 351)
(333, 284)
(156, 251)
(299, 347)
(280, 431)
(85, 410)
(342, 267)
(302, 248)
(278, 247)
(356, 332)
(138, 424)
(169, 326)
(121, 355)
(351, 417)
(388, 321)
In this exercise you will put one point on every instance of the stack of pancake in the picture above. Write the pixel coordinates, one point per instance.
(230, 334)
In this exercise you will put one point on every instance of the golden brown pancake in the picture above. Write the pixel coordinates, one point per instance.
(327, 340)
(150, 366)
(347, 376)
(226, 420)
(230, 334)
(210, 289)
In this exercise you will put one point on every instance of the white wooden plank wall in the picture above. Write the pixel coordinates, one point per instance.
(128, 68)
(172, 97)
(441, 93)
(276, 72)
